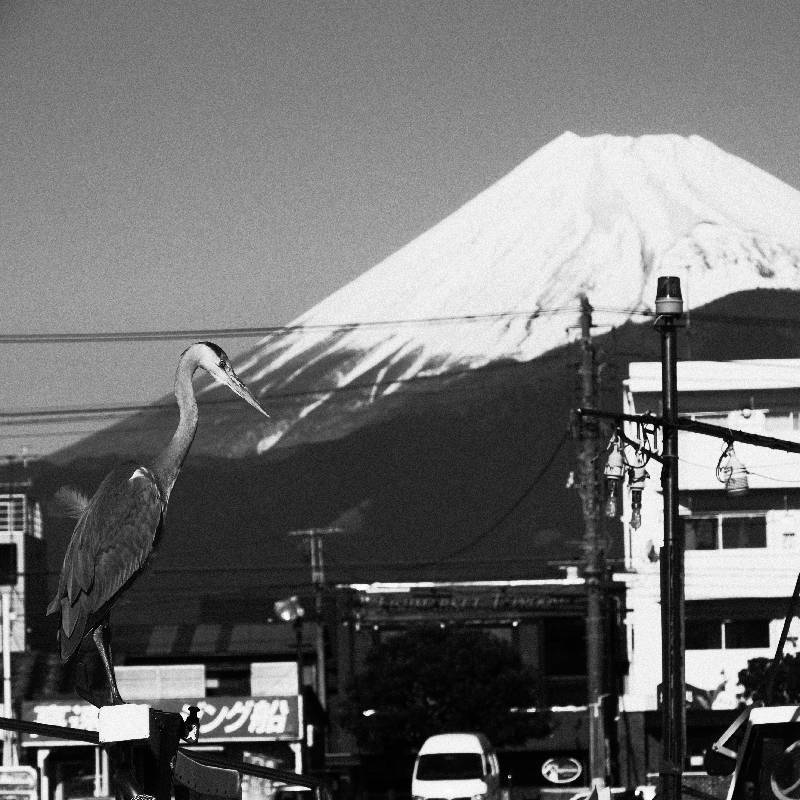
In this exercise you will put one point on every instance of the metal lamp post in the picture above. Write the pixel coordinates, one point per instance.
(669, 308)
(315, 537)
(292, 611)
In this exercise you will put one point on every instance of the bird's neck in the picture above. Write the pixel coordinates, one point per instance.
(168, 463)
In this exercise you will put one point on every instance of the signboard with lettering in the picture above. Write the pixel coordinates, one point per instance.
(222, 719)
(474, 602)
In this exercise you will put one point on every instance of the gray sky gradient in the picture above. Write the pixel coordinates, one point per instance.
(196, 164)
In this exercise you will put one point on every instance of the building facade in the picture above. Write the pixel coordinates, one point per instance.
(544, 621)
(742, 553)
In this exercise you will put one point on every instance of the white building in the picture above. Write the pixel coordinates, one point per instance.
(742, 554)
(23, 577)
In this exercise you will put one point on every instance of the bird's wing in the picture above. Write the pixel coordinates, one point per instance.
(111, 541)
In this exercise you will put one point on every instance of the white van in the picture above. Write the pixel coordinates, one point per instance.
(456, 765)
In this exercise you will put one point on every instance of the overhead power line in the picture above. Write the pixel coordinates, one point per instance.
(267, 330)
(58, 415)
(198, 333)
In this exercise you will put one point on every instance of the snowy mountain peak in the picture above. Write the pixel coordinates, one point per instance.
(499, 278)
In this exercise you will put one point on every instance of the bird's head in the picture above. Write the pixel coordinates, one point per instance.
(214, 361)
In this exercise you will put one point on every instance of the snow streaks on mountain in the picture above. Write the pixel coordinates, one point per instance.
(499, 278)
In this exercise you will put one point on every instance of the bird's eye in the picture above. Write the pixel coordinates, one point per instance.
(222, 363)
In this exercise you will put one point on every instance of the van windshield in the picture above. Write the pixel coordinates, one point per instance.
(449, 766)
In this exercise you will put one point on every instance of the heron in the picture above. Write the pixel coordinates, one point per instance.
(119, 526)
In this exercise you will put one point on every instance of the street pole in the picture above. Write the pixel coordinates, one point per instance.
(315, 537)
(8, 710)
(593, 568)
(300, 763)
(669, 307)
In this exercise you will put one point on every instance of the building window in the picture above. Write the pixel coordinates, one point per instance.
(12, 514)
(725, 531)
(744, 532)
(701, 533)
(564, 646)
(703, 634)
(746, 633)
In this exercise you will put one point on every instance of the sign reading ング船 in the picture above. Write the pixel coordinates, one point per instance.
(222, 719)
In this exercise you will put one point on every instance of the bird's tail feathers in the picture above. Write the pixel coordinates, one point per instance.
(69, 501)
(73, 627)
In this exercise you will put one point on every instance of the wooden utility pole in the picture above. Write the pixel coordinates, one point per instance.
(594, 567)
(315, 537)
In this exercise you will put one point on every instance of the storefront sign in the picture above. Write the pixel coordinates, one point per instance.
(562, 770)
(222, 719)
(415, 602)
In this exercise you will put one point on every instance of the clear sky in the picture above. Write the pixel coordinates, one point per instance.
(197, 164)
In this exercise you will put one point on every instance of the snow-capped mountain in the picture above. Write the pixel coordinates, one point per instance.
(434, 386)
(499, 278)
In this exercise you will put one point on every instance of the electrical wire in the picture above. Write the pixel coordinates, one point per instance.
(267, 330)
(42, 414)
(167, 335)
(64, 414)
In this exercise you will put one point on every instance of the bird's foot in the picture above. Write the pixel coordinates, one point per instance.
(191, 725)
(114, 698)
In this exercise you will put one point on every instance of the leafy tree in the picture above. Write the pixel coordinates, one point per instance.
(785, 681)
(430, 680)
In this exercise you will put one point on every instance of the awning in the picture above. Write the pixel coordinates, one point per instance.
(267, 639)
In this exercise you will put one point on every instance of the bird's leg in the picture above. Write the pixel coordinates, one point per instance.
(102, 641)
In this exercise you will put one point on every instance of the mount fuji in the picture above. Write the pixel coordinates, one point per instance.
(498, 279)
(432, 393)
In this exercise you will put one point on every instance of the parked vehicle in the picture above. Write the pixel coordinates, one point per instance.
(456, 765)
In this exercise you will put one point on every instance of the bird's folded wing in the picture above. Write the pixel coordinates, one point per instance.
(114, 536)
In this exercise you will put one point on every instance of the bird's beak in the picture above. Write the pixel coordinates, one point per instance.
(237, 387)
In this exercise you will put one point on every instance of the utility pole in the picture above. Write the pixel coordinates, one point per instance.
(594, 568)
(315, 536)
(669, 308)
(9, 755)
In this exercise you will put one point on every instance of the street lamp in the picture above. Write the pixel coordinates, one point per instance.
(732, 472)
(290, 610)
(669, 308)
(613, 472)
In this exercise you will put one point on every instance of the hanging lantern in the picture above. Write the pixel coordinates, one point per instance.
(732, 472)
(636, 478)
(614, 472)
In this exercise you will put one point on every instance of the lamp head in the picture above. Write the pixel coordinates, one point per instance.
(636, 479)
(289, 610)
(669, 300)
